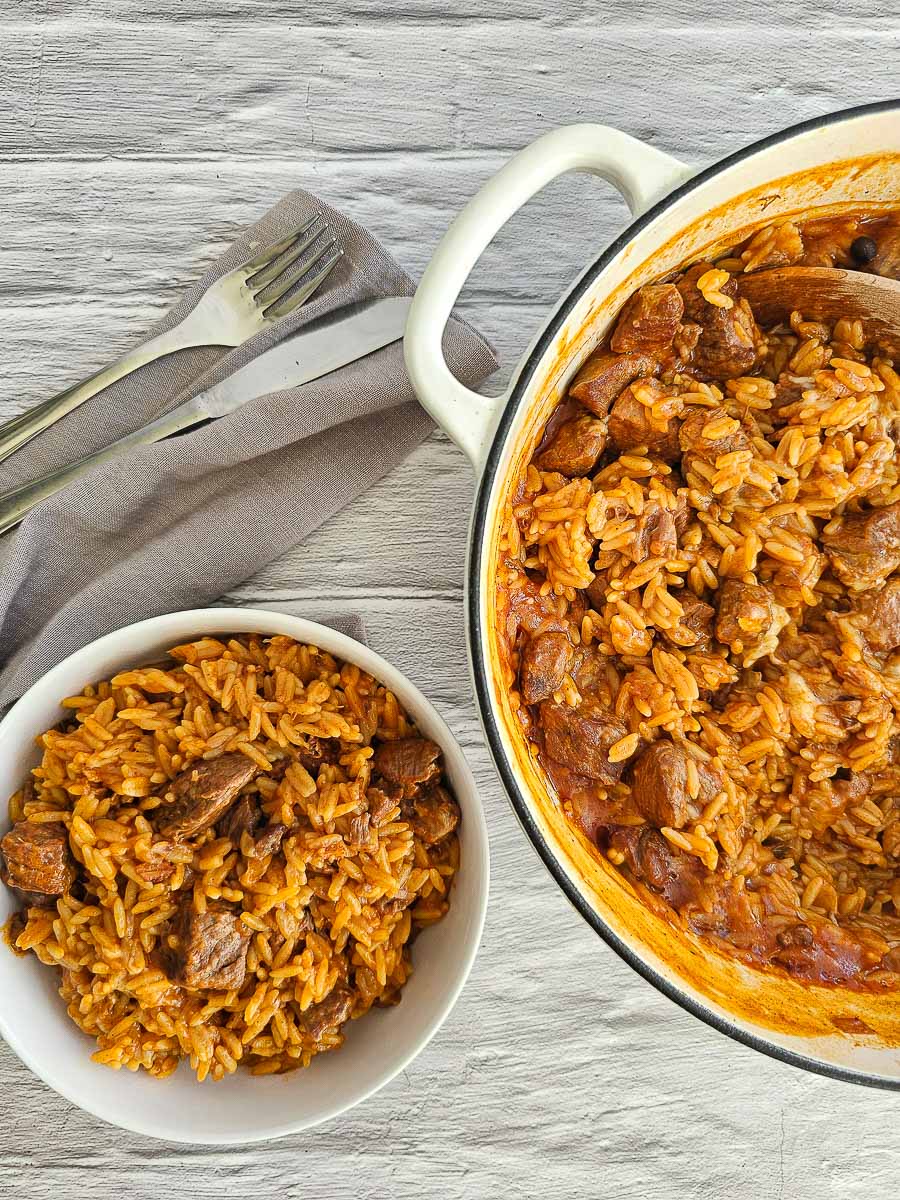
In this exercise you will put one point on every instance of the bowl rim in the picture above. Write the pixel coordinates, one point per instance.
(477, 634)
(261, 620)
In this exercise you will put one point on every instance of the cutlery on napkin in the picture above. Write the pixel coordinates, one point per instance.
(195, 515)
(305, 356)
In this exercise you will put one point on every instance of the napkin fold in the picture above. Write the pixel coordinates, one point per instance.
(179, 523)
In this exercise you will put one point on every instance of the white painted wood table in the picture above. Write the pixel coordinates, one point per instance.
(136, 137)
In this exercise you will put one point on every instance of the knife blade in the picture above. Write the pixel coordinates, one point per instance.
(307, 355)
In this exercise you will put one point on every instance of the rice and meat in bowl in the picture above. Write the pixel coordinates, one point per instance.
(698, 609)
(228, 856)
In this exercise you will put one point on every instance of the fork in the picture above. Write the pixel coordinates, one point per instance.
(232, 310)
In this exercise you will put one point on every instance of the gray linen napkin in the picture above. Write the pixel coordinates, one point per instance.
(178, 524)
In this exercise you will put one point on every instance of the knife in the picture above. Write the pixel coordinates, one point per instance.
(307, 355)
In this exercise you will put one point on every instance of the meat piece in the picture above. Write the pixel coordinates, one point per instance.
(544, 661)
(660, 785)
(655, 535)
(269, 841)
(360, 829)
(202, 793)
(580, 738)
(244, 817)
(317, 751)
(829, 955)
(682, 511)
(677, 876)
(590, 669)
(157, 867)
(596, 592)
(36, 858)
(433, 816)
(331, 1013)
(864, 548)
(749, 620)
(408, 762)
(574, 448)
(383, 802)
(630, 426)
(649, 320)
(789, 391)
(529, 610)
(659, 788)
(695, 627)
(880, 617)
(209, 949)
(727, 345)
(590, 809)
(605, 375)
(693, 441)
(794, 935)
(817, 703)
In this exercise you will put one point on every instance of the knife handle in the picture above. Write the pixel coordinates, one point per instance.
(16, 503)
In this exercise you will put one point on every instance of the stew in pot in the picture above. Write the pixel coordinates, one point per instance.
(700, 606)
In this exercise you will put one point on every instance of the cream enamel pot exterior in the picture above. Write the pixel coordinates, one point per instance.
(844, 161)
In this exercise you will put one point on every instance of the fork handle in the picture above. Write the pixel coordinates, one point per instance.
(21, 429)
(16, 503)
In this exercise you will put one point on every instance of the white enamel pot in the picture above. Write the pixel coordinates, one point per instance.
(845, 161)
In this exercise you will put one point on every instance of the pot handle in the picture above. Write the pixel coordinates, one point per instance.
(641, 173)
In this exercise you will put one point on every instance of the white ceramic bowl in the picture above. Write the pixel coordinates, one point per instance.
(241, 1108)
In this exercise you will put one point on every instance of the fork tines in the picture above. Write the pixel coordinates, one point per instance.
(269, 272)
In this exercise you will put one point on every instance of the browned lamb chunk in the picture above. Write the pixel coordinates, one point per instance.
(269, 841)
(202, 792)
(408, 762)
(630, 426)
(656, 535)
(209, 949)
(682, 511)
(360, 829)
(694, 629)
(678, 876)
(864, 548)
(580, 738)
(749, 619)
(575, 447)
(649, 320)
(317, 751)
(880, 613)
(244, 817)
(157, 867)
(433, 816)
(590, 809)
(660, 785)
(605, 375)
(693, 441)
(330, 1013)
(727, 346)
(545, 659)
(383, 799)
(36, 858)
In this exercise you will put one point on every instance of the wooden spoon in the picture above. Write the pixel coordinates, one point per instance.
(827, 294)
